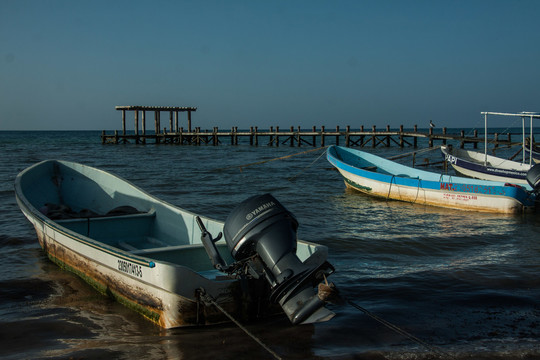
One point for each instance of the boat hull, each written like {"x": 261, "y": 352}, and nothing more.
{"x": 166, "y": 294}
{"x": 399, "y": 182}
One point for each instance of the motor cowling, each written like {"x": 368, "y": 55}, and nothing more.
{"x": 533, "y": 178}
{"x": 262, "y": 230}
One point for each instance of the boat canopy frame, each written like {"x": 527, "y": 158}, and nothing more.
{"x": 523, "y": 115}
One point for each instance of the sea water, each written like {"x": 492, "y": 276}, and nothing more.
{"x": 466, "y": 284}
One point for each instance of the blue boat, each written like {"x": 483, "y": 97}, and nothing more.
{"x": 383, "y": 178}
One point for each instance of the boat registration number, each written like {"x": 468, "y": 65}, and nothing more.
{"x": 130, "y": 268}
{"x": 459, "y": 197}
{"x": 478, "y": 189}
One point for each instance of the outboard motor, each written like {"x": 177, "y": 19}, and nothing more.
{"x": 262, "y": 233}
{"x": 533, "y": 178}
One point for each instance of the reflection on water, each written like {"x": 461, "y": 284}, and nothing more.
{"x": 466, "y": 282}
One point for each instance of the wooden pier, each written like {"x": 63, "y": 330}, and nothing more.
{"x": 275, "y": 136}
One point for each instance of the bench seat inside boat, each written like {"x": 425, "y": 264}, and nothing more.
{"x": 135, "y": 228}
{"x": 133, "y": 233}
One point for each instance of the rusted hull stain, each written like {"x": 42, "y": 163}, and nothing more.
{"x": 164, "y": 308}
{"x": 137, "y": 299}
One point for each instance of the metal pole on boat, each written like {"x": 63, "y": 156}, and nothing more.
{"x": 485, "y": 139}
{"x": 532, "y": 143}
{"x": 523, "y": 143}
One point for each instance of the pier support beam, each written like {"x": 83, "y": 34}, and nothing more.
{"x": 136, "y": 127}
{"x": 123, "y": 122}
{"x": 157, "y": 126}
{"x": 256, "y": 136}
{"x": 143, "y": 126}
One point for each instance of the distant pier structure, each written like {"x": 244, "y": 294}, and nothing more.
{"x": 141, "y": 137}
{"x": 176, "y": 134}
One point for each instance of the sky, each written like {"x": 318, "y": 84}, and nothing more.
{"x": 65, "y": 65}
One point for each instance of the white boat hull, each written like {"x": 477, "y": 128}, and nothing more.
{"x": 441, "y": 198}
{"x": 150, "y": 290}
{"x": 151, "y": 260}
{"x": 387, "y": 179}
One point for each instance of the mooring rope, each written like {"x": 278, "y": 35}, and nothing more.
{"x": 329, "y": 293}
{"x": 269, "y": 160}
{"x": 390, "y": 188}
{"x": 520, "y": 150}
{"x": 399, "y": 330}
{"x": 418, "y": 191}
{"x": 209, "y": 299}
{"x": 395, "y": 157}
{"x": 305, "y": 168}
{"x": 241, "y": 167}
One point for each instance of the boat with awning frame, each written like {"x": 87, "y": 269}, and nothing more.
{"x": 488, "y": 167}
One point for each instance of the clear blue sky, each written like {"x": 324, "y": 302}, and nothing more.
{"x": 65, "y": 65}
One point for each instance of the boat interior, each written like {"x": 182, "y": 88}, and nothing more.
{"x": 111, "y": 211}
{"x": 134, "y": 234}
